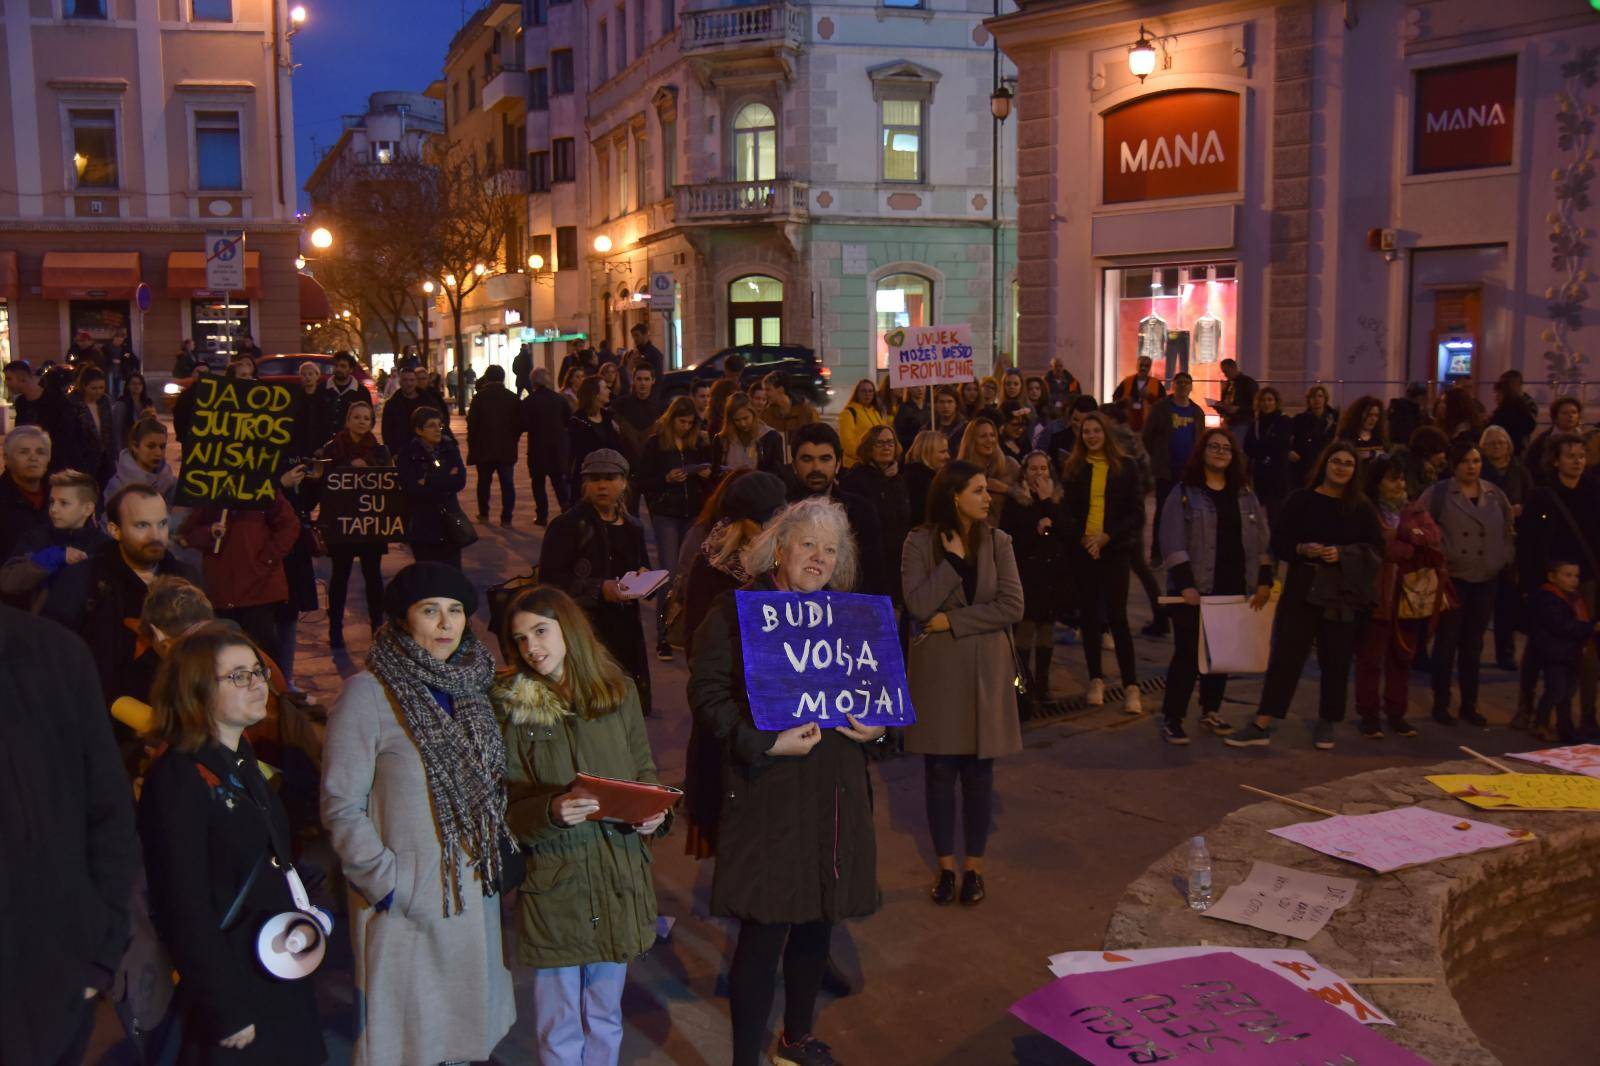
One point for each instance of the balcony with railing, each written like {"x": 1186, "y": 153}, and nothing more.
{"x": 507, "y": 90}
{"x": 734, "y": 27}
{"x": 740, "y": 201}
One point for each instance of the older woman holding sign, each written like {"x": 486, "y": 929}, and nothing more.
{"x": 960, "y": 580}
{"x": 795, "y": 846}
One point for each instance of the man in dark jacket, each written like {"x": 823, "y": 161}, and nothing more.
{"x": 588, "y": 548}
{"x": 339, "y": 392}
{"x": 69, "y": 845}
{"x": 100, "y": 596}
{"x": 814, "y": 471}
{"x": 544, "y": 419}
{"x": 493, "y": 430}
{"x": 398, "y": 409}
{"x": 43, "y": 404}
{"x": 1238, "y": 403}
{"x": 521, "y": 367}
{"x": 636, "y": 413}
{"x": 24, "y": 496}
{"x": 649, "y": 354}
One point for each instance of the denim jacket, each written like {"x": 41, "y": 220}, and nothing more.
{"x": 1188, "y": 534}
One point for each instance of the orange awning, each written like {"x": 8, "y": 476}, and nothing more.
{"x": 8, "y": 275}
{"x": 314, "y": 305}
{"x": 186, "y": 275}
{"x": 90, "y": 275}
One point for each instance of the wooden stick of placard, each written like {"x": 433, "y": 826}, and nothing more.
{"x": 1502, "y": 767}
{"x": 1392, "y": 980}
{"x": 1290, "y": 802}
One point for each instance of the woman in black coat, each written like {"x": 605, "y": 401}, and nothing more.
{"x": 796, "y": 851}
{"x": 432, "y": 476}
{"x": 1102, "y": 501}
{"x": 877, "y": 478}
{"x": 590, "y": 429}
{"x": 1034, "y": 519}
{"x": 95, "y": 447}
{"x": 674, "y": 477}
{"x": 1268, "y": 442}
{"x": 212, "y": 830}
{"x": 355, "y": 446}
{"x": 1310, "y": 431}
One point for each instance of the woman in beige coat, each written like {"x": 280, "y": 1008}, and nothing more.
{"x": 960, "y": 581}
{"x": 414, "y": 800}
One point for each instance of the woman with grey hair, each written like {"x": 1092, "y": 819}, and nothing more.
{"x": 1504, "y": 471}
{"x": 795, "y": 846}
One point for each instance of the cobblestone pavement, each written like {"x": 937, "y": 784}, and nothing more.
{"x": 1090, "y": 802}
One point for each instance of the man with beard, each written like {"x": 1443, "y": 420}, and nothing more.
{"x": 338, "y": 393}
{"x": 814, "y": 472}
{"x": 100, "y": 598}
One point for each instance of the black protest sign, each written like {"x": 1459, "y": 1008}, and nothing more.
{"x": 363, "y": 505}
{"x": 235, "y": 445}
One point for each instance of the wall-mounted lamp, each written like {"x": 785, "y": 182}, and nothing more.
{"x": 1000, "y": 102}
{"x": 602, "y": 244}
{"x": 1142, "y": 56}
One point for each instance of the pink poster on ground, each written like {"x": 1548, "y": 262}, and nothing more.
{"x": 1574, "y": 759}
{"x": 1404, "y": 836}
{"x": 1219, "y": 1006}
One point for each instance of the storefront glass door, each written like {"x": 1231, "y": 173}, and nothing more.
{"x": 755, "y": 311}
{"x": 1183, "y": 316}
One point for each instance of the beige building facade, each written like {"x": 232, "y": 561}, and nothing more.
{"x": 134, "y": 128}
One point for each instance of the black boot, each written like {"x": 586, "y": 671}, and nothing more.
{"x": 336, "y": 632}
{"x": 1041, "y": 675}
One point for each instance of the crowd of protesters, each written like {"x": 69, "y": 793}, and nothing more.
{"x": 1000, "y": 518}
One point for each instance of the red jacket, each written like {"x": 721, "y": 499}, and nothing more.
{"x": 249, "y": 569}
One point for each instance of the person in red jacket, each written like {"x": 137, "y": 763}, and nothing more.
{"x": 242, "y": 556}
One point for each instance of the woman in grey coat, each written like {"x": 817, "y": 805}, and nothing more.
{"x": 961, "y": 585}
{"x": 1476, "y": 519}
{"x": 414, "y": 800}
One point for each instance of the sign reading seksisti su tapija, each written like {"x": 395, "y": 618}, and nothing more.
{"x": 363, "y": 505}
{"x": 235, "y": 442}
{"x": 820, "y": 656}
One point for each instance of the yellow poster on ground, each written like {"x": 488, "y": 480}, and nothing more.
{"x": 1527, "y": 792}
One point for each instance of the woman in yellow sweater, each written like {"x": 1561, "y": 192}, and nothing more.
{"x": 859, "y": 416}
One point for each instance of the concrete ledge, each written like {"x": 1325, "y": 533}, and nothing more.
{"x": 1450, "y": 920}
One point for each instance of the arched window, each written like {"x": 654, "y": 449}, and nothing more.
{"x": 755, "y": 310}
{"x": 755, "y": 144}
{"x": 900, "y": 300}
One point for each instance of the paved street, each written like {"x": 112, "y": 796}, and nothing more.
{"x": 1091, "y": 801}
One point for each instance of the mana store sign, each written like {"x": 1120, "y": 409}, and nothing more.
{"x": 1465, "y": 116}
{"x": 1173, "y": 144}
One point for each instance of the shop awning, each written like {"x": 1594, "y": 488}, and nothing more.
{"x": 89, "y": 275}
{"x": 186, "y": 275}
{"x": 314, "y": 305}
{"x": 8, "y": 275}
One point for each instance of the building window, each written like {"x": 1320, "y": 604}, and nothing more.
{"x": 216, "y": 149}
{"x": 899, "y": 300}
{"x": 455, "y": 100}
{"x": 622, "y": 37}
{"x": 901, "y": 3}
{"x": 539, "y": 245}
{"x": 638, "y": 172}
{"x": 212, "y": 11}
{"x": 669, "y": 16}
{"x": 603, "y": 53}
{"x": 755, "y": 144}
{"x": 1183, "y": 316}
{"x": 669, "y": 156}
{"x": 472, "y": 89}
{"x": 83, "y": 9}
{"x": 638, "y": 28}
{"x": 539, "y": 171}
{"x": 94, "y": 149}
{"x": 384, "y": 152}
{"x": 534, "y": 12}
{"x": 624, "y": 192}
{"x": 755, "y": 310}
{"x": 539, "y": 90}
{"x": 560, "y": 71}
{"x": 566, "y": 247}
{"x": 902, "y": 140}
{"x": 561, "y": 160}
{"x": 603, "y": 198}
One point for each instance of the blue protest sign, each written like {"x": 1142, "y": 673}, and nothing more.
{"x": 818, "y": 656}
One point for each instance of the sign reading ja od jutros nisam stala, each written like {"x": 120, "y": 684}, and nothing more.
{"x": 237, "y": 435}
{"x": 819, "y": 656}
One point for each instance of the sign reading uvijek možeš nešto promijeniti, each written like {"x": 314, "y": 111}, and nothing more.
{"x": 929, "y": 355}
{"x": 235, "y": 442}
{"x": 822, "y": 656}
{"x": 363, "y": 505}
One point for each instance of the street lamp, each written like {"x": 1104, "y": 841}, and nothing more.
{"x": 427, "y": 287}
{"x": 427, "y": 315}
{"x": 1000, "y": 102}
{"x": 1142, "y": 56}
{"x": 297, "y": 16}
{"x": 480, "y": 270}
{"x": 299, "y": 262}
{"x": 535, "y": 262}
{"x": 602, "y": 244}
{"x": 321, "y": 238}
{"x": 450, "y": 280}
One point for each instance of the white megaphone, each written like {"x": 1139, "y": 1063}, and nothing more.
{"x": 291, "y": 945}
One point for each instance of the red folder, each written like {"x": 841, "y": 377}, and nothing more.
{"x": 632, "y": 802}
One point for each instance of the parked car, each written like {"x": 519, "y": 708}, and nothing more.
{"x": 280, "y": 370}
{"x": 803, "y": 372}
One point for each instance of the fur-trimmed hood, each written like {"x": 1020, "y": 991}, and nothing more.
{"x": 525, "y": 701}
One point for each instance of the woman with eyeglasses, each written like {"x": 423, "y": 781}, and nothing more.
{"x": 213, "y": 834}
{"x": 1332, "y": 540}
{"x": 1215, "y": 541}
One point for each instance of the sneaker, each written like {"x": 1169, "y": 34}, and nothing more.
{"x": 806, "y": 1051}
{"x": 1213, "y": 721}
{"x": 1473, "y": 718}
{"x": 1132, "y": 700}
{"x": 664, "y": 651}
{"x": 1322, "y": 737}
{"x": 1251, "y": 736}
{"x": 1096, "y": 694}
{"x": 1443, "y": 717}
{"x": 1402, "y": 728}
{"x": 1372, "y": 730}
{"x": 1172, "y": 733}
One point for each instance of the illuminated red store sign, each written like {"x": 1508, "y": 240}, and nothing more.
{"x": 1465, "y": 116}
{"x": 1172, "y": 144}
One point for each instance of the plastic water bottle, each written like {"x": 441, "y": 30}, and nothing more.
{"x": 1199, "y": 874}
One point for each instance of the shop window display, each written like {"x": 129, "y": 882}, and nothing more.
{"x": 1182, "y": 316}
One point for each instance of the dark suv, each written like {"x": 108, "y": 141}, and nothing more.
{"x": 802, "y": 371}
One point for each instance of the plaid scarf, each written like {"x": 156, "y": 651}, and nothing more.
{"x": 464, "y": 755}
{"x": 712, "y": 549}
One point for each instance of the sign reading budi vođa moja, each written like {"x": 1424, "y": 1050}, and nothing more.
{"x": 819, "y": 656}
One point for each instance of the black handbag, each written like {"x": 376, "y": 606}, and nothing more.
{"x": 459, "y": 531}
{"x": 496, "y": 598}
